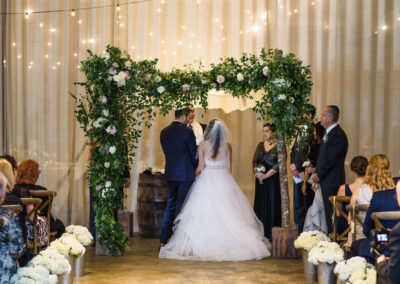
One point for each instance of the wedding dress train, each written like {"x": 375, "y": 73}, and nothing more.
{"x": 217, "y": 222}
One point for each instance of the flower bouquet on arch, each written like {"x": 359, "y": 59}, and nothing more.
{"x": 259, "y": 169}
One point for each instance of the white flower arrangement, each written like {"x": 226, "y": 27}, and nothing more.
{"x": 81, "y": 233}
{"x": 105, "y": 112}
{"x": 310, "y": 239}
{"x": 99, "y": 122}
{"x": 282, "y": 97}
{"x": 355, "y": 268}
{"x": 279, "y": 82}
{"x": 55, "y": 262}
{"x": 36, "y": 274}
{"x": 326, "y": 252}
{"x": 68, "y": 245}
{"x": 363, "y": 276}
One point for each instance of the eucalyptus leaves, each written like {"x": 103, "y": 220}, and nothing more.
{"x": 121, "y": 94}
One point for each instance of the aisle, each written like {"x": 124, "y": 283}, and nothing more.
{"x": 140, "y": 264}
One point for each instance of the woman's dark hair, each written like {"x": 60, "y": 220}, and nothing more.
{"x": 359, "y": 165}
{"x": 320, "y": 130}
{"x": 207, "y": 136}
{"x": 11, "y": 160}
{"x": 271, "y": 126}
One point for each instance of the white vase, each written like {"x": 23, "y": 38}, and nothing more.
{"x": 80, "y": 266}
{"x": 310, "y": 270}
{"x": 325, "y": 273}
{"x": 68, "y": 278}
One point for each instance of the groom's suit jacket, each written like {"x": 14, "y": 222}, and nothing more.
{"x": 332, "y": 153}
{"x": 179, "y": 145}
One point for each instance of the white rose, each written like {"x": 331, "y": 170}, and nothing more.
{"x": 112, "y": 149}
{"x": 157, "y": 79}
{"x": 240, "y": 77}
{"x": 185, "y": 87}
{"x": 203, "y": 82}
{"x": 103, "y": 99}
{"x": 282, "y": 97}
{"x": 111, "y": 130}
{"x": 291, "y": 99}
{"x": 115, "y": 65}
{"x": 128, "y": 64}
{"x": 105, "y": 112}
{"x": 120, "y": 78}
{"x": 220, "y": 79}
{"x": 279, "y": 82}
{"x": 147, "y": 77}
{"x": 107, "y": 165}
{"x": 109, "y": 78}
{"x": 265, "y": 70}
{"x": 108, "y": 183}
{"x": 161, "y": 89}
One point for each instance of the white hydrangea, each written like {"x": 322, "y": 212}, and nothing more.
{"x": 308, "y": 240}
{"x": 55, "y": 262}
{"x": 99, "y": 122}
{"x": 279, "y": 82}
{"x": 68, "y": 245}
{"x": 363, "y": 276}
{"x": 325, "y": 252}
{"x": 161, "y": 89}
{"x": 81, "y": 233}
{"x": 36, "y": 274}
{"x": 345, "y": 268}
{"x": 282, "y": 97}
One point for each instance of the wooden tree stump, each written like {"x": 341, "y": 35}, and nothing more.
{"x": 283, "y": 242}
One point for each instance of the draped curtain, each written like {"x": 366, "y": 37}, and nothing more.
{"x": 352, "y": 46}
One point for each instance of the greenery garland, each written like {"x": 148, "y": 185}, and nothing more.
{"x": 121, "y": 94}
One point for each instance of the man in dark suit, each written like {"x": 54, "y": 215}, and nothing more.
{"x": 179, "y": 145}
{"x": 298, "y": 156}
{"x": 330, "y": 163}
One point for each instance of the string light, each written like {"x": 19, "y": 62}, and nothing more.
{"x": 14, "y": 44}
{"x": 46, "y": 56}
{"x": 80, "y": 21}
{"x": 256, "y": 28}
{"x": 41, "y": 25}
{"x": 52, "y": 30}
{"x": 384, "y": 27}
{"x": 263, "y": 16}
{"x": 19, "y": 56}
{"x": 118, "y": 8}
{"x": 121, "y": 25}
{"x": 75, "y": 54}
{"x": 73, "y": 13}
{"x": 295, "y": 10}
{"x": 49, "y": 43}
{"x": 27, "y": 13}
{"x": 162, "y": 1}
{"x": 58, "y": 63}
{"x": 180, "y": 42}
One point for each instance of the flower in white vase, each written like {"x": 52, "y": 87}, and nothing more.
{"x": 55, "y": 262}
{"x": 33, "y": 274}
{"x": 326, "y": 252}
{"x": 75, "y": 247}
{"x": 81, "y": 233}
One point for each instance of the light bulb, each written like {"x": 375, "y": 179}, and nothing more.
{"x": 118, "y": 7}
{"x": 73, "y": 13}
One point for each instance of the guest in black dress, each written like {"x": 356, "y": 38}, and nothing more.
{"x": 267, "y": 200}
{"x": 358, "y": 168}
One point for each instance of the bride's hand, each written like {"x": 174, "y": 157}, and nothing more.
{"x": 197, "y": 172}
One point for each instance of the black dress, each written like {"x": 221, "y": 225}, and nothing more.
{"x": 267, "y": 200}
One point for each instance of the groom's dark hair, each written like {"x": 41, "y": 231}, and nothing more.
{"x": 179, "y": 113}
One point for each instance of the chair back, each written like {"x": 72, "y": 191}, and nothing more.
{"x": 48, "y": 196}
{"x": 388, "y": 215}
{"x": 337, "y": 202}
{"x": 15, "y": 208}
{"x": 34, "y": 212}
{"x": 354, "y": 209}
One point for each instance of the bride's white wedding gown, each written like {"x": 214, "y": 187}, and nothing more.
{"x": 217, "y": 222}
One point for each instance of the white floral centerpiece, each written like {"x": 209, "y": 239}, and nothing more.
{"x": 33, "y": 274}
{"x": 68, "y": 245}
{"x": 310, "y": 239}
{"x": 357, "y": 269}
{"x": 54, "y": 261}
{"x": 363, "y": 276}
{"x": 81, "y": 233}
{"x": 326, "y": 252}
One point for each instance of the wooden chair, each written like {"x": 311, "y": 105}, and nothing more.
{"x": 15, "y": 208}
{"x": 337, "y": 207}
{"x": 388, "y": 215}
{"x": 34, "y": 212}
{"x": 354, "y": 209}
{"x": 49, "y": 196}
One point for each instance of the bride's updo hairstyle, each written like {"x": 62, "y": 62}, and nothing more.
{"x": 216, "y": 135}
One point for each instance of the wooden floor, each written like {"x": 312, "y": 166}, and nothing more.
{"x": 140, "y": 264}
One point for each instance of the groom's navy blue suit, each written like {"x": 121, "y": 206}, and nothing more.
{"x": 179, "y": 145}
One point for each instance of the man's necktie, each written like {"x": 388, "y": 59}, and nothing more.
{"x": 190, "y": 126}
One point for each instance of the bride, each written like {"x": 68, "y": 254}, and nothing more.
{"x": 217, "y": 222}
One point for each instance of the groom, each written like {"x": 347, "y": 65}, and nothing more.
{"x": 179, "y": 146}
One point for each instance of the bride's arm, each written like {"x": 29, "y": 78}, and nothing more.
{"x": 230, "y": 157}
{"x": 201, "y": 159}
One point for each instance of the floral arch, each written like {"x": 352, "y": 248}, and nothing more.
{"x": 121, "y": 94}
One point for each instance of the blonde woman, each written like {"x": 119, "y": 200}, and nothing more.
{"x": 7, "y": 170}
{"x": 377, "y": 178}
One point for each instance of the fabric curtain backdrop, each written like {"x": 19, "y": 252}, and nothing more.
{"x": 352, "y": 47}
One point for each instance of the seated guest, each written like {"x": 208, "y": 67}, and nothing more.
{"x": 383, "y": 199}
{"x": 388, "y": 268}
{"x": 27, "y": 175}
{"x": 12, "y": 243}
{"x": 377, "y": 178}
{"x": 358, "y": 167}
